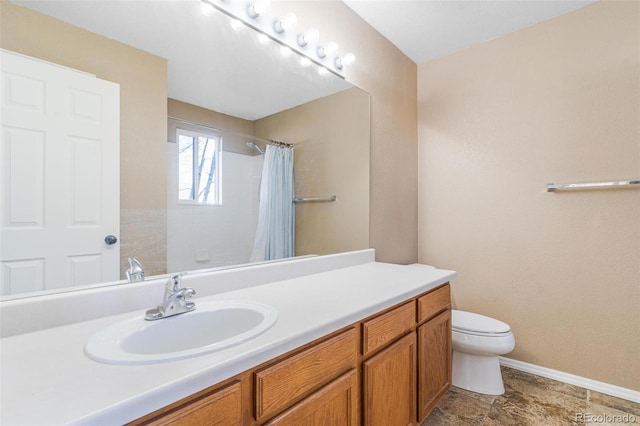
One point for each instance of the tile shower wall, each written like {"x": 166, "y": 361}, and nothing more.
{"x": 144, "y": 237}
{"x": 201, "y": 236}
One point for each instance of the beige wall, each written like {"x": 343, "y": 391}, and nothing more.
{"x": 390, "y": 77}
{"x": 555, "y": 102}
{"x": 143, "y": 109}
{"x": 331, "y": 145}
{"x": 185, "y": 111}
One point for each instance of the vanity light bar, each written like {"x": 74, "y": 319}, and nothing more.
{"x": 256, "y": 14}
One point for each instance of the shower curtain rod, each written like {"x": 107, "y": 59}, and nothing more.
{"x": 217, "y": 129}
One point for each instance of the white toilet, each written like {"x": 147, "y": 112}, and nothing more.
{"x": 477, "y": 342}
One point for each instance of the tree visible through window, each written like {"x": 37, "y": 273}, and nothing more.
{"x": 199, "y": 167}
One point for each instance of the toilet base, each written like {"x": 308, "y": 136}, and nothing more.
{"x": 477, "y": 373}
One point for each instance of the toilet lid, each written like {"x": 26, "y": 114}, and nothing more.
{"x": 476, "y": 323}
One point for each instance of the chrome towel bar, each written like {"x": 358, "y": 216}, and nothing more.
{"x": 314, "y": 199}
{"x": 552, "y": 187}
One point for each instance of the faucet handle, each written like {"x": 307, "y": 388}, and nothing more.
{"x": 174, "y": 282}
{"x": 187, "y": 292}
{"x": 174, "y": 301}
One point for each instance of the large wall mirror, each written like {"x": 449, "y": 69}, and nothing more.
{"x": 183, "y": 74}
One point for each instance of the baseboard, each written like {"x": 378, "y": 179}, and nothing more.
{"x": 572, "y": 379}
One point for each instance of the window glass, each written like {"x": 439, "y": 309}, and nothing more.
{"x": 198, "y": 168}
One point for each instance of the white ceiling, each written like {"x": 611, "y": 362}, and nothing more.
{"x": 208, "y": 63}
{"x": 428, "y": 29}
{"x": 215, "y": 67}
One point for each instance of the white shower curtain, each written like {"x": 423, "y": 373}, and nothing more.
{"x": 276, "y": 215}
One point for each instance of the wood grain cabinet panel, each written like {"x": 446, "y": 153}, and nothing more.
{"x": 433, "y": 302}
{"x": 221, "y": 407}
{"x": 434, "y": 362}
{"x": 386, "y": 327}
{"x": 282, "y": 384}
{"x": 389, "y": 385}
{"x": 336, "y": 404}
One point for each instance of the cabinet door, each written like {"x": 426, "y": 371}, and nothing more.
{"x": 334, "y": 404}
{"x": 222, "y": 407}
{"x": 389, "y": 384}
{"x": 282, "y": 384}
{"x": 434, "y": 362}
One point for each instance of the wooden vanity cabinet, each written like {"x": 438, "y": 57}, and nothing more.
{"x": 286, "y": 381}
{"x": 434, "y": 365}
{"x": 334, "y": 404}
{"x": 224, "y": 404}
{"x": 389, "y": 369}
{"x": 434, "y": 349}
{"x": 404, "y": 381}
{"x": 389, "y": 385}
{"x": 384, "y": 328}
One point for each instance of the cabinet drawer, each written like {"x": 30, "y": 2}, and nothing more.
{"x": 384, "y": 328}
{"x": 280, "y": 385}
{"x": 220, "y": 407}
{"x": 433, "y": 302}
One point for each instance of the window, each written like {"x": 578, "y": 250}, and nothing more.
{"x": 199, "y": 168}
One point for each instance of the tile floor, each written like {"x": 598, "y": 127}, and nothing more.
{"x": 533, "y": 400}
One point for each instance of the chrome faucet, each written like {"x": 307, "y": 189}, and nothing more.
{"x": 175, "y": 301}
{"x": 135, "y": 272}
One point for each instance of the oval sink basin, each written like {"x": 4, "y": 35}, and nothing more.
{"x": 211, "y": 327}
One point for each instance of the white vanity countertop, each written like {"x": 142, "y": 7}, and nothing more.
{"x": 47, "y": 379}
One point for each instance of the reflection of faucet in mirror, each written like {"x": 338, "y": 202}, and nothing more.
{"x": 175, "y": 300}
{"x": 135, "y": 272}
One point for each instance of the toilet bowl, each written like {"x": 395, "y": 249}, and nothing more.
{"x": 477, "y": 342}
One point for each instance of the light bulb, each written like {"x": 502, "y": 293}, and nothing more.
{"x": 257, "y": 8}
{"x": 309, "y": 37}
{"x": 285, "y": 24}
{"x": 345, "y": 61}
{"x": 207, "y": 8}
{"x": 348, "y": 59}
{"x": 324, "y": 51}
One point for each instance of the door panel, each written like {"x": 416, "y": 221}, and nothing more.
{"x": 29, "y": 273}
{"x": 59, "y": 183}
{"x": 23, "y": 172}
{"x": 85, "y": 182}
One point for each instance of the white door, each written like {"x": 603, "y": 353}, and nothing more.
{"x": 59, "y": 176}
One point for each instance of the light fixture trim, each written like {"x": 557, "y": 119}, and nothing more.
{"x": 256, "y": 14}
